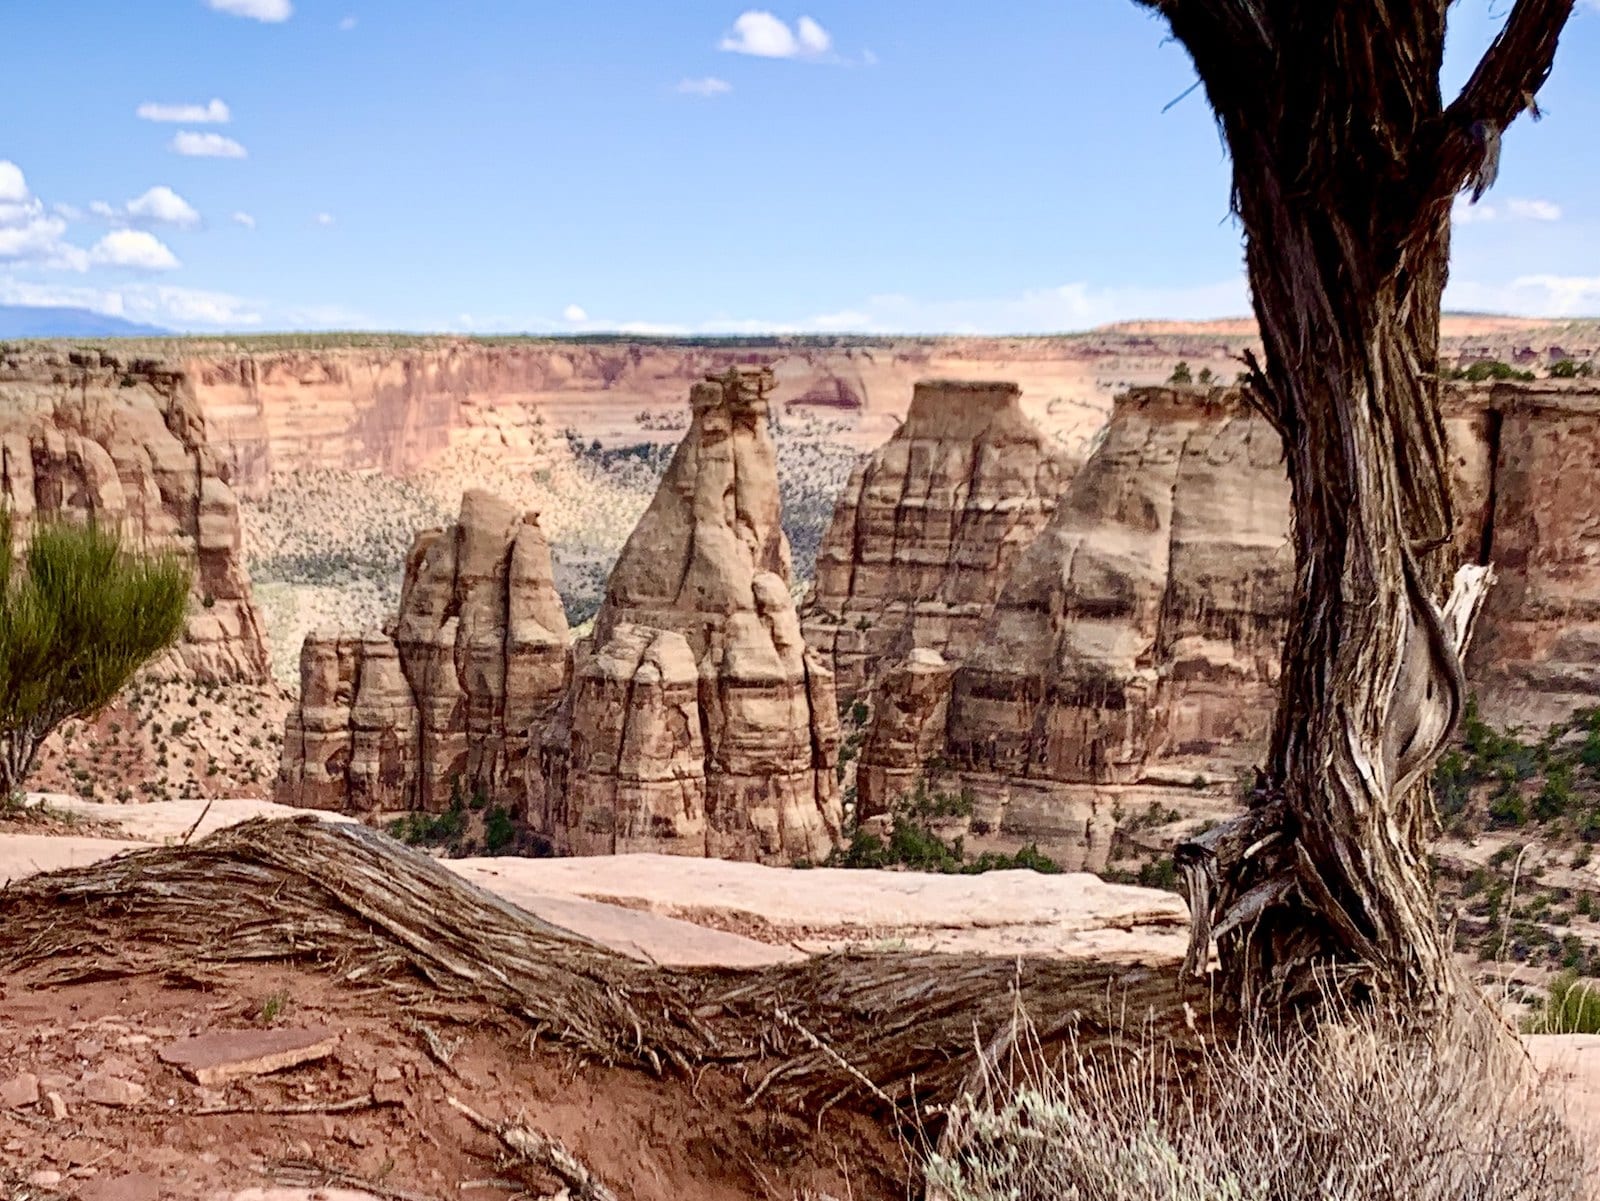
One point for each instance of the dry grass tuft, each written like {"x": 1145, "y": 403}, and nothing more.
{"x": 1358, "y": 1111}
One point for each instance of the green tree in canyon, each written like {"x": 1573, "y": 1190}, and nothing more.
{"x": 79, "y": 615}
{"x": 1346, "y": 162}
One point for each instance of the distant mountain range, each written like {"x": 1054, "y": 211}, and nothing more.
{"x": 26, "y": 321}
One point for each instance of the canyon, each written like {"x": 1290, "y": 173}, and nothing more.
{"x": 1060, "y": 608}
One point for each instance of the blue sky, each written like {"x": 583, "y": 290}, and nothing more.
{"x": 683, "y": 166}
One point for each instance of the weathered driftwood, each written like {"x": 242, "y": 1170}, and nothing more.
{"x": 354, "y": 902}
{"x": 1346, "y": 161}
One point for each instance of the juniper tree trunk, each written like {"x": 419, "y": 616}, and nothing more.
{"x": 1345, "y": 165}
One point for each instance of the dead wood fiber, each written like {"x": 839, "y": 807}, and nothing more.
{"x": 858, "y": 1027}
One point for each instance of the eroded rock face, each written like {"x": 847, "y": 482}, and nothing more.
{"x": 88, "y": 435}
{"x": 1536, "y": 654}
{"x": 698, "y": 722}
{"x": 442, "y": 704}
{"x": 1142, "y": 627}
{"x": 927, "y": 531}
{"x": 1136, "y": 645}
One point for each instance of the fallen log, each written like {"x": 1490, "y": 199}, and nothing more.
{"x": 353, "y": 902}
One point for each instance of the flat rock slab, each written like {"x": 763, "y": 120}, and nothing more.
{"x": 223, "y": 1055}
{"x": 1067, "y": 916}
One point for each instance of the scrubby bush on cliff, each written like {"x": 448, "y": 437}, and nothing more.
{"x": 79, "y": 615}
{"x": 1362, "y": 1109}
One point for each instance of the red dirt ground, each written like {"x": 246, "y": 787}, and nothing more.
{"x": 648, "y": 1139}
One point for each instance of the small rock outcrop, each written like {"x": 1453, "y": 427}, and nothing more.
{"x": 928, "y": 529}
{"x": 441, "y": 704}
{"x": 88, "y": 435}
{"x": 698, "y": 722}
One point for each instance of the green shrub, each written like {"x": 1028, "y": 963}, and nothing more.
{"x": 79, "y": 615}
{"x": 499, "y": 831}
{"x": 1573, "y": 1007}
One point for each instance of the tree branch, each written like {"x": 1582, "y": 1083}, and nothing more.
{"x": 1503, "y": 86}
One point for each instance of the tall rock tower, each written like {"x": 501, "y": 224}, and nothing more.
{"x": 698, "y": 723}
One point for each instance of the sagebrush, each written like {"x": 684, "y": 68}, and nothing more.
{"x": 1363, "y": 1110}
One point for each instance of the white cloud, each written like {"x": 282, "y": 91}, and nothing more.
{"x": 214, "y": 113}
{"x": 137, "y": 249}
{"x": 1464, "y": 212}
{"x": 324, "y": 219}
{"x": 207, "y": 145}
{"x": 13, "y": 184}
{"x": 154, "y": 304}
{"x": 162, "y": 206}
{"x": 1534, "y": 210}
{"x": 1545, "y": 295}
{"x": 158, "y": 206}
{"x": 1066, "y": 308}
{"x": 708, "y": 87}
{"x": 347, "y": 24}
{"x": 270, "y": 11}
{"x": 29, "y": 236}
{"x": 244, "y": 219}
{"x": 574, "y": 313}
{"x": 764, "y": 35}
{"x": 814, "y": 39}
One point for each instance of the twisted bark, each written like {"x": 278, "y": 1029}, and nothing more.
{"x": 1346, "y": 163}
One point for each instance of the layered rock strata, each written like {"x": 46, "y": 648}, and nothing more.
{"x": 928, "y": 529}
{"x": 1143, "y": 625}
{"x": 698, "y": 722}
{"x": 87, "y": 435}
{"x": 1136, "y": 643}
{"x": 1536, "y": 653}
{"x": 441, "y": 705}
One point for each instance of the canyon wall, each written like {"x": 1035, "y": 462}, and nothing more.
{"x": 87, "y": 434}
{"x": 439, "y": 706}
{"x": 394, "y": 407}
{"x": 928, "y": 528}
{"x": 699, "y": 722}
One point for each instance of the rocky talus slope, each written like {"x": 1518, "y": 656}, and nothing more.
{"x": 90, "y": 435}
{"x": 439, "y": 705}
{"x": 926, "y": 532}
{"x": 1133, "y": 654}
{"x": 698, "y": 721}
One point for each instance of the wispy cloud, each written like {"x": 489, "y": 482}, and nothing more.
{"x": 708, "y": 87}
{"x": 270, "y": 11}
{"x": 244, "y": 219}
{"x": 347, "y": 24}
{"x": 1513, "y": 209}
{"x": 1066, "y": 308}
{"x": 325, "y": 220}
{"x": 136, "y": 249}
{"x": 207, "y": 145}
{"x": 760, "y": 33}
{"x": 1540, "y": 295}
{"x": 214, "y": 113}
{"x": 157, "y": 304}
{"x": 575, "y": 314}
